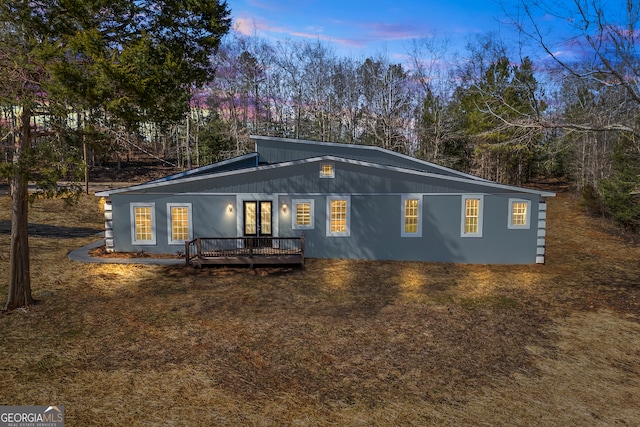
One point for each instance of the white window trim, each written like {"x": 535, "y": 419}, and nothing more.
{"x": 170, "y": 224}
{"x": 465, "y": 197}
{"x": 333, "y": 170}
{"x": 404, "y": 197}
{"x": 294, "y": 217}
{"x": 346, "y": 233}
{"x": 527, "y": 224}
{"x": 151, "y": 205}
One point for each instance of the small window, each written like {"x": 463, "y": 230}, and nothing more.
{"x": 327, "y": 170}
{"x": 179, "y": 222}
{"x": 519, "y": 214}
{"x": 338, "y": 216}
{"x": 143, "y": 224}
{"x": 472, "y": 216}
{"x": 303, "y": 214}
{"x": 411, "y": 215}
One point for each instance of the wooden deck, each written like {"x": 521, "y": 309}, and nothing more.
{"x": 245, "y": 251}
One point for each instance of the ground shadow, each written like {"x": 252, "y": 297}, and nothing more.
{"x": 52, "y": 231}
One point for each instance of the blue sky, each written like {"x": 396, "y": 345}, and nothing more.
{"x": 362, "y": 28}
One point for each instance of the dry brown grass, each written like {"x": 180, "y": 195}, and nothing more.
{"x": 339, "y": 343}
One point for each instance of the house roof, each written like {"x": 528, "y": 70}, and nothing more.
{"x": 165, "y": 186}
{"x": 362, "y": 152}
{"x": 224, "y": 165}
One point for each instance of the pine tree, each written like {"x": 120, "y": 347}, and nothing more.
{"x": 129, "y": 60}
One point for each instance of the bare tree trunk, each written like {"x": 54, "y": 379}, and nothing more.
{"x": 84, "y": 155}
{"x": 19, "y": 272}
{"x": 187, "y": 141}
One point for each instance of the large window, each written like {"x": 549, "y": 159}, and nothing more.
{"x": 143, "y": 224}
{"x": 411, "y": 215}
{"x": 338, "y": 216}
{"x": 472, "y": 216}
{"x": 303, "y": 214}
{"x": 519, "y": 214}
{"x": 179, "y": 222}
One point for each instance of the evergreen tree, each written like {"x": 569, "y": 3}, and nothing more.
{"x": 129, "y": 60}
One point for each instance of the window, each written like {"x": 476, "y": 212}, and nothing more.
{"x": 179, "y": 222}
{"x": 411, "y": 215}
{"x": 143, "y": 224}
{"x": 250, "y": 218}
{"x": 303, "y": 214}
{"x": 519, "y": 214}
{"x": 472, "y": 216}
{"x": 338, "y": 221}
{"x": 265, "y": 218}
{"x": 327, "y": 170}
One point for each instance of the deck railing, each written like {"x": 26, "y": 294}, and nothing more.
{"x": 245, "y": 250}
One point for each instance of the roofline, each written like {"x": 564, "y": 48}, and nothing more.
{"x": 490, "y": 184}
{"x": 367, "y": 147}
{"x": 204, "y": 168}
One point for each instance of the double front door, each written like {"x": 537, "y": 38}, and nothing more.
{"x": 258, "y": 221}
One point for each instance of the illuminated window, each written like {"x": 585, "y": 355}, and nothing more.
{"x": 519, "y": 214}
{"x": 338, "y": 222}
{"x": 143, "y": 224}
{"x": 327, "y": 170}
{"x": 179, "y": 222}
{"x": 250, "y": 218}
{"x": 265, "y": 218}
{"x": 411, "y": 214}
{"x": 472, "y": 216}
{"x": 303, "y": 214}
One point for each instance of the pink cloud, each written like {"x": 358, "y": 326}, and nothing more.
{"x": 249, "y": 26}
{"x": 369, "y": 32}
{"x": 396, "y": 31}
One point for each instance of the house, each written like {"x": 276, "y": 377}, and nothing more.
{"x": 350, "y": 201}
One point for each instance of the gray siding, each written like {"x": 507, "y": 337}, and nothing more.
{"x": 209, "y": 213}
{"x": 376, "y": 232}
{"x": 375, "y": 193}
{"x": 277, "y": 150}
{"x": 304, "y": 177}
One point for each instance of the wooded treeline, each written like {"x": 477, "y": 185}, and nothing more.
{"x": 489, "y": 111}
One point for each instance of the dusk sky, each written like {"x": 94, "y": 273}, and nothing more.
{"x": 361, "y": 28}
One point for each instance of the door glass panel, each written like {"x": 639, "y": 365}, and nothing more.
{"x": 250, "y": 218}
{"x": 265, "y": 218}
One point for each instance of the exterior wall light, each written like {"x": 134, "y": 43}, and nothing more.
{"x": 230, "y": 208}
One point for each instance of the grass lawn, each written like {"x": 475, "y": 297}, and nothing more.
{"x": 345, "y": 343}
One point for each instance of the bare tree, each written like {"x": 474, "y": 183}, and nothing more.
{"x": 431, "y": 62}
{"x": 602, "y": 49}
{"x": 389, "y": 104}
